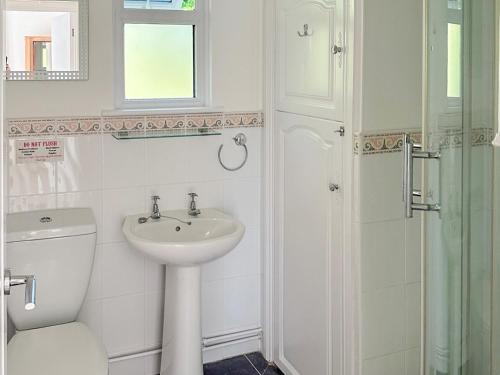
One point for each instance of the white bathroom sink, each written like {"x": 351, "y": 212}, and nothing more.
{"x": 211, "y": 235}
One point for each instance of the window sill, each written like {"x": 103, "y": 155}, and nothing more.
{"x": 159, "y": 111}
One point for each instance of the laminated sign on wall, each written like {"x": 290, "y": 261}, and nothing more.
{"x": 39, "y": 150}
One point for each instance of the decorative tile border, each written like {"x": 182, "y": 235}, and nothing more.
{"x": 370, "y": 144}
{"x": 483, "y": 136}
{"x": 33, "y": 127}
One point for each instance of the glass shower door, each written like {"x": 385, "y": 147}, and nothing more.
{"x": 459, "y": 109}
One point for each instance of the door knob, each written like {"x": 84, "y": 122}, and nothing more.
{"x": 30, "y": 288}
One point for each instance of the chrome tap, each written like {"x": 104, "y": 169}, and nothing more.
{"x": 193, "y": 210}
{"x": 155, "y": 213}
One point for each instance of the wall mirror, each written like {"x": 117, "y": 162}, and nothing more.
{"x": 46, "y": 40}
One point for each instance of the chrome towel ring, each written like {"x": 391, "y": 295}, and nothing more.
{"x": 240, "y": 140}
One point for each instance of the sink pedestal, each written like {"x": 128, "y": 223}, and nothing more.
{"x": 182, "y": 322}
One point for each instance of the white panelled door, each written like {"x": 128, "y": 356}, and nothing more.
{"x": 310, "y": 57}
{"x": 308, "y": 274}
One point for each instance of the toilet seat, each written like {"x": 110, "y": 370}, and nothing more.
{"x": 58, "y": 350}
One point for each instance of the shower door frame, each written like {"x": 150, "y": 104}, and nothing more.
{"x": 465, "y": 164}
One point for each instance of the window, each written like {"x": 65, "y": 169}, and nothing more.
{"x": 454, "y": 60}
{"x": 454, "y": 57}
{"x": 160, "y": 57}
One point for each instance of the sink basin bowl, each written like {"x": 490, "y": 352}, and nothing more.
{"x": 211, "y": 235}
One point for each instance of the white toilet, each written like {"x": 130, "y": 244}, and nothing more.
{"x": 57, "y": 247}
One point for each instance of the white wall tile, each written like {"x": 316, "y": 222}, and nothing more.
{"x": 382, "y": 254}
{"x": 183, "y": 160}
{"x": 481, "y": 178}
{"x": 95, "y": 286}
{"x": 117, "y": 204}
{"x": 202, "y": 161}
{"x": 91, "y": 315}
{"x": 242, "y": 302}
{"x": 123, "y": 324}
{"x": 412, "y": 295}
{"x": 32, "y": 203}
{"x": 213, "y": 270}
{"x": 154, "y": 319}
{"x": 122, "y": 270}
{"x": 389, "y": 365}
{"x": 123, "y": 163}
{"x": 412, "y": 362}
{"x": 381, "y": 191}
{"x": 90, "y": 199}
{"x": 383, "y": 322}
{"x": 212, "y": 307}
{"x": 245, "y": 259}
{"x": 413, "y": 248}
{"x": 175, "y": 197}
{"x": 239, "y": 200}
{"x": 82, "y": 165}
{"x": 166, "y": 161}
{"x": 155, "y": 276}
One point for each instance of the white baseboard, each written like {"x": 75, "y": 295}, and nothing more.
{"x": 148, "y": 362}
{"x": 232, "y": 349}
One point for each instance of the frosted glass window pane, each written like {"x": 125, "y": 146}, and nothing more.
{"x": 160, "y": 4}
{"x": 159, "y": 61}
{"x": 454, "y": 60}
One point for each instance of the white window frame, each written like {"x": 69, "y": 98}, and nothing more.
{"x": 198, "y": 18}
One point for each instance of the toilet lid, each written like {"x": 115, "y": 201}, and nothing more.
{"x": 58, "y": 350}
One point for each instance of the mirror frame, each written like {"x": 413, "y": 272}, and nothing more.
{"x": 83, "y": 44}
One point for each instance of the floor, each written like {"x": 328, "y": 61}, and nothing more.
{"x": 249, "y": 364}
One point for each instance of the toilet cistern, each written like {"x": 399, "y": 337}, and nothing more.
{"x": 52, "y": 246}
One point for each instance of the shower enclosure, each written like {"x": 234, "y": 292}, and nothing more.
{"x": 457, "y": 186}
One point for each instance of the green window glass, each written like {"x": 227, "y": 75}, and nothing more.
{"x": 454, "y": 60}
{"x": 159, "y": 61}
{"x": 160, "y": 4}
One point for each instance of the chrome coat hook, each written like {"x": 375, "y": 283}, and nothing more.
{"x": 240, "y": 140}
{"x": 306, "y": 32}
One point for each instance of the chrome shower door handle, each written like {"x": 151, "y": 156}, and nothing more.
{"x": 408, "y": 147}
{"x": 412, "y": 151}
{"x": 30, "y": 288}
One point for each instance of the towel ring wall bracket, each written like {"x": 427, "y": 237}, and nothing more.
{"x": 239, "y": 140}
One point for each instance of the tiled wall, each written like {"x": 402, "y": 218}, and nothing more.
{"x": 391, "y": 245}
{"x": 117, "y": 177}
{"x": 390, "y": 270}
{"x": 125, "y": 299}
